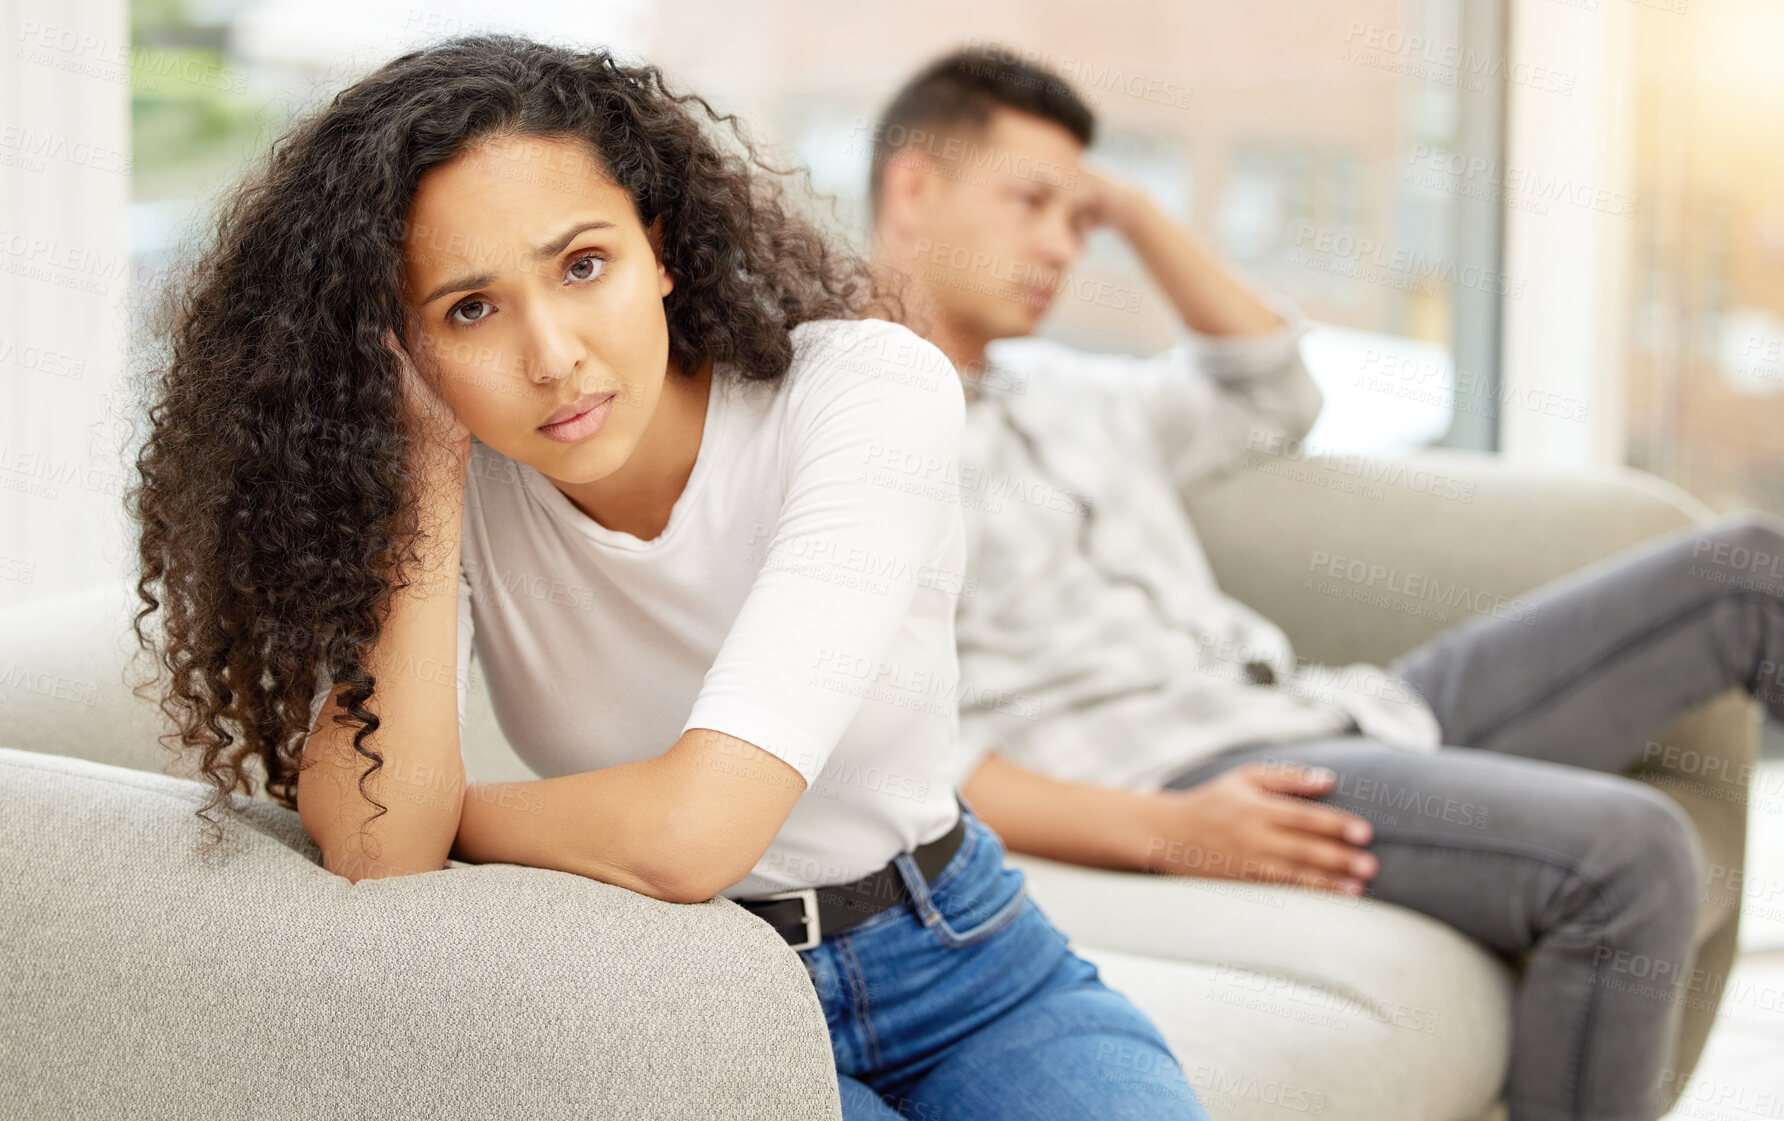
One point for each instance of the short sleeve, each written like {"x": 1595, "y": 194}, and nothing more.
{"x": 872, "y": 435}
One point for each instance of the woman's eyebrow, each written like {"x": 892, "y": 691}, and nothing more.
{"x": 541, "y": 253}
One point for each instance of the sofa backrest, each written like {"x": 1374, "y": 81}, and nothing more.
{"x": 67, "y": 663}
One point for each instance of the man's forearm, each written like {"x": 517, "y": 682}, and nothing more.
{"x": 610, "y": 824}
{"x": 1211, "y": 300}
{"x": 1067, "y": 821}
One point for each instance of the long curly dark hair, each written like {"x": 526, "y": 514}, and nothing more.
{"x": 277, "y": 499}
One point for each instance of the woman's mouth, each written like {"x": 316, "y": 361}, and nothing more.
{"x": 581, "y": 426}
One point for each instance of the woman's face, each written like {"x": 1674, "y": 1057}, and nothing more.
{"x": 538, "y": 292}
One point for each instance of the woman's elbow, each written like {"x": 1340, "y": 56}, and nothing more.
{"x": 414, "y": 832}
{"x": 380, "y": 848}
{"x": 357, "y": 866}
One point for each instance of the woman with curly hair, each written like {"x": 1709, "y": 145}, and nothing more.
{"x": 502, "y": 344}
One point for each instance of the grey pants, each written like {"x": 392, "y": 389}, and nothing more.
{"x": 1524, "y": 837}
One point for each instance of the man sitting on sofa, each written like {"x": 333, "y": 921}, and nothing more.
{"x": 1119, "y": 711}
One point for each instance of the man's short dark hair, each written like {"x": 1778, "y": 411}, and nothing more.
{"x": 955, "y": 94}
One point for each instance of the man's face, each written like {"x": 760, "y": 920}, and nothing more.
{"x": 997, "y": 227}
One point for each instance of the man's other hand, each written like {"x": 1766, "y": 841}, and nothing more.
{"x": 1256, "y": 822}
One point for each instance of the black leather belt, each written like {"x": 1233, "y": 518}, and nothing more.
{"x": 807, "y": 915}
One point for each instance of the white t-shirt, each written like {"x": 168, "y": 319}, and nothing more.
{"x": 801, "y": 599}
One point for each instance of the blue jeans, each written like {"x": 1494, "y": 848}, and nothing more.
{"x": 964, "y": 1002}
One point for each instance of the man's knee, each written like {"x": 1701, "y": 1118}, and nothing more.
{"x": 1750, "y": 543}
{"x": 1755, "y": 528}
{"x": 1654, "y": 851}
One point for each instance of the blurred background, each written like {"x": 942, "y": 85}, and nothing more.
{"x": 1551, "y": 230}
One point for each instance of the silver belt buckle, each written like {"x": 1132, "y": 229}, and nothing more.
{"x": 810, "y": 895}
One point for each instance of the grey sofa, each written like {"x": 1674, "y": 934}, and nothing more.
{"x": 144, "y": 981}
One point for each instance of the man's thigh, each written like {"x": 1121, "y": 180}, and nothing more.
{"x": 1487, "y": 842}
{"x": 1582, "y": 669}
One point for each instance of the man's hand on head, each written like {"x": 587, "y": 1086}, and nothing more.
{"x": 1107, "y": 199}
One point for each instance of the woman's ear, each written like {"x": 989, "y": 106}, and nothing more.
{"x": 665, "y": 282}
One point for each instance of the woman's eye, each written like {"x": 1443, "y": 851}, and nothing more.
{"x": 590, "y": 258}
{"x": 586, "y": 275}
{"x": 463, "y": 306}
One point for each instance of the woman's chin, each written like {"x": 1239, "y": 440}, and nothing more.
{"x": 587, "y": 461}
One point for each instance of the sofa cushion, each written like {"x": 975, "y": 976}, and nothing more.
{"x": 1282, "y": 999}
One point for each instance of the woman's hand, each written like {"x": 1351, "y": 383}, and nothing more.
{"x": 429, "y": 408}
{"x": 1254, "y": 822}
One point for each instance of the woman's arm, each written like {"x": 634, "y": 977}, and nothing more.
{"x": 681, "y": 827}
{"x": 416, "y": 699}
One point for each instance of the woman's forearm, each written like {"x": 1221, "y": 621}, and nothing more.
{"x": 611, "y": 824}
{"x": 421, "y": 782}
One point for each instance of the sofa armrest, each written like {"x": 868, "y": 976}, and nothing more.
{"x": 1466, "y": 529}
{"x": 145, "y": 979}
